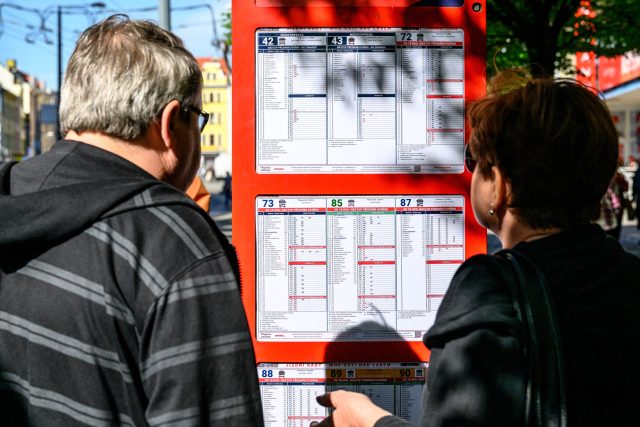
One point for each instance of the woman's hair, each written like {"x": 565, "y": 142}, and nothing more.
{"x": 120, "y": 76}
{"x": 555, "y": 142}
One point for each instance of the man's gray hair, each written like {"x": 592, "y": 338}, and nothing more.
{"x": 121, "y": 75}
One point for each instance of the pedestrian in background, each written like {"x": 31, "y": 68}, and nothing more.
{"x": 612, "y": 206}
{"x": 199, "y": 193}
{"x": 539, "y": 198}
{"x": 635, "y": 187}
{"x": 119, "y": 299}
{"x": 226, "y": 189}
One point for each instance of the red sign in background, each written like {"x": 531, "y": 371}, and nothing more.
{"x": 605, "y": 73}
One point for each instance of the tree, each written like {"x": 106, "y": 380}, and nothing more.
{"x": 226, "y": 42}
{"x": 543, "y": 33}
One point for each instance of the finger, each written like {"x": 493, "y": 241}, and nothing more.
{"x": 324, "y": 400}
{"x": 327, "y": 422}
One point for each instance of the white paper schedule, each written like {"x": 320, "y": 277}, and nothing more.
{"x": 289, "y": 391}
{"x": 354, "y": 268}
{"x": 359, "y": 100}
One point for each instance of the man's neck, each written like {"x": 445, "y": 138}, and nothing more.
{"x": 139, "y": 152}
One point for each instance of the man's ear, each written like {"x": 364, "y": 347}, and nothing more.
{"x": 170, "y": 114}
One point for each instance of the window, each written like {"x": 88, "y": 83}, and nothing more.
{"x": 212, "y": 141}
{"x": 219, "y": 140}
{"x": 218, "y": 97}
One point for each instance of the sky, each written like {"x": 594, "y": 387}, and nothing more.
{"x": 39, "y": 58}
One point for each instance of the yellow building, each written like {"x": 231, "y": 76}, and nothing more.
{"x": 216, "y": 100}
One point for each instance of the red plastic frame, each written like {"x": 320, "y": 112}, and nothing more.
{"x": 250, "y": 15}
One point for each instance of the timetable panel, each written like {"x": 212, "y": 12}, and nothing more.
{"x": 359, "y": 100}
{"x": 289, "y": 391}
{"x": 354, "y": 268}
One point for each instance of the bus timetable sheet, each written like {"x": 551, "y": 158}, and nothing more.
{"x": 289, "y": 391}
{"x": 359, "y": 100}
{"x": 350, "y": 268}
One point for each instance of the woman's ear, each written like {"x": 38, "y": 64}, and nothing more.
{"x": 501, "y": 196}
{"x": 170, "y": 113}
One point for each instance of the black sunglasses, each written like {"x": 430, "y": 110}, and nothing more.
{"x": 203, "y": 118}
{"x": 469, "y": 160}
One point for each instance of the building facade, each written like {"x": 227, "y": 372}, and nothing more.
{"x": 11, "y": 126}
{"x": 24, "y": 129}
{"x": 216, "y": 100}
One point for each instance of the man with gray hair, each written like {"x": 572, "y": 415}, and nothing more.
{"x": 119, "y": 299}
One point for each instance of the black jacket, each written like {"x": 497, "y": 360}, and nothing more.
{"x": 476, "y": 371}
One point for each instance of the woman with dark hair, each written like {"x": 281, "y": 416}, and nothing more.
{"x": 542, "y": 153}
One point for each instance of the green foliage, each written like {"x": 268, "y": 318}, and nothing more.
{"x": 547, "y": 33}
{"x": 226, "y": 25}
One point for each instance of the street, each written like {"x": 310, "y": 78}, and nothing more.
{"x": 220, "y": 213}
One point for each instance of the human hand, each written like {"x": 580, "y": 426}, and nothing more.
{"x": 350, "y": 410}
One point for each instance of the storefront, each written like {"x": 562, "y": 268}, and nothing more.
{"x": 618, "y": 79}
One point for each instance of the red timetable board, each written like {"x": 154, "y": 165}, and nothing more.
{"x": 362, "y": 102}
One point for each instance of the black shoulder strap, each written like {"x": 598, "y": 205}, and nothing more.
{"x": 545, "y": 393}
{"x": 5, "y": 181}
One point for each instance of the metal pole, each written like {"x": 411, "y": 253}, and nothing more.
{"x": 164, "y": 10}
{"x": 58, "y": 132}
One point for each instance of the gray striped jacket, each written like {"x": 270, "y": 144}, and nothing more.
{"x": 134, "y": 319}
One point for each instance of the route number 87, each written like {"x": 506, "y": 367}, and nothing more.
{"x": 405, "y": 202}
